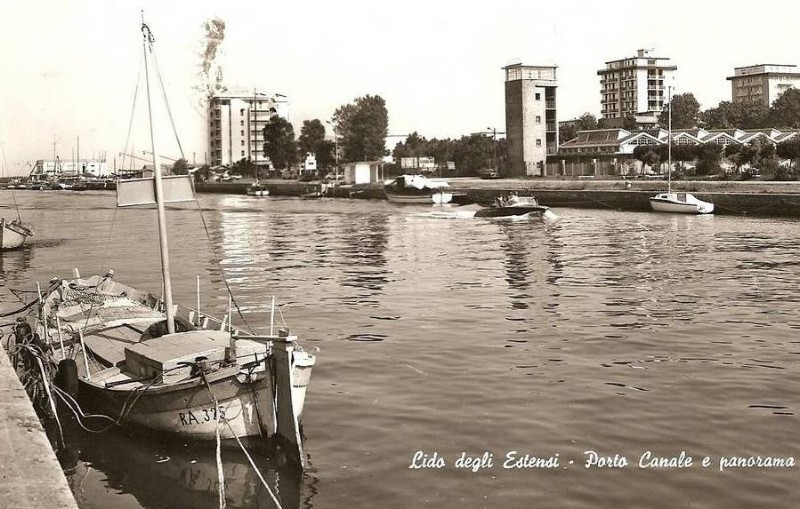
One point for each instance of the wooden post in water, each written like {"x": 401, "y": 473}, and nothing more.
{"x": 287, "y": 430}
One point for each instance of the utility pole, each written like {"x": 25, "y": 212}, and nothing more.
{"x": 335, "y": 149}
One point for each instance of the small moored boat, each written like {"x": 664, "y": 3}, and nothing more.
{"x": 684, "y": 203}
{"x": 417, "y": 189}
{"x": 257, "y": 189}
{"x": 13, "y": 234}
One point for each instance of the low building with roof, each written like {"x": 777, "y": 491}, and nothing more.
{"x": 611, "y": 151}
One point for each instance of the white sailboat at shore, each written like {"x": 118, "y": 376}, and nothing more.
{"x": 677, "y": 202}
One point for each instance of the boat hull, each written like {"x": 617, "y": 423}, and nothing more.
{"x": 207, "y": 375}
{"x": 419, "y": 199}
{"x": 511, "y": 211}
{"x": 680, "y": 203}
{"x": 13, "y": 235}
{"x": 242, "y": 408}
{"x": 257, "y": 192}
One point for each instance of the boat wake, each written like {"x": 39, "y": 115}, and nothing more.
{"x": 547, "y": 216}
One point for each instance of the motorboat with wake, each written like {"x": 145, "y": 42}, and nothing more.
{"x": 514, "y": 206}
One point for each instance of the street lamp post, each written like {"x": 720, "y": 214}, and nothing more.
{"x": 335, "y": 150}
{"x": 494, "y": 145}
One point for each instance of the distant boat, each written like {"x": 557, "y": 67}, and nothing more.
{"x": 417, "y": 189}
{"x": 13, "y": 234}
{"x": 682, "y": 203}
{"x": 514, "y": 206}
{"x": 257, "y": 189}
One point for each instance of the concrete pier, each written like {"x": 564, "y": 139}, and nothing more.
{"x": 30, "y": 475}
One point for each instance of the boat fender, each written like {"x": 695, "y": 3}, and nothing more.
{"x": 67, "y": 377}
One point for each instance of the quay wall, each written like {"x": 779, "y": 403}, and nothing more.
{"x": 30, "y": 474}
{"x": 738, "y": 198}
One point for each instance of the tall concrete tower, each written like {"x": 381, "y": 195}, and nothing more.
{"x": 531, "y": 123}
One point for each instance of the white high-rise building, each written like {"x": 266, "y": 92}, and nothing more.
{"x": 236, "y": 126}
{"x": 634, "y": 86}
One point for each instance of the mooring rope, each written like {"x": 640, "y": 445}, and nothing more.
{"x": 241, "y": 445}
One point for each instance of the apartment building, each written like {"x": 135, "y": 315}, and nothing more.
{"x": 635, "y": 86}
{"x": 762, "y": 83}
{"x": 236, "y": 123}
{"x": 531, "y": 120}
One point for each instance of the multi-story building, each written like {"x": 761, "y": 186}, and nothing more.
{"x": 44, "y": 169}
{"x": 762, "y": 83}
{"x": 531, "y": 122}
{"x": 634, "y": 86}
{"x": 236, "y": 124}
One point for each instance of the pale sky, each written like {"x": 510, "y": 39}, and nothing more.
{"x": 70, "y": 67}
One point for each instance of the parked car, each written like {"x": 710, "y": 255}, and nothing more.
{"x": 490, "y": 174}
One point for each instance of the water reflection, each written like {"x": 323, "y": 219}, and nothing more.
{"x": 14, "y": 262}
{"x": 162, "y": 472}
{"x": 363, "y": 246}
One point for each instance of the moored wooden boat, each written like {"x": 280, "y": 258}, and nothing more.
{"x": 206, "y": 378}
{"x": 141, "y": 360}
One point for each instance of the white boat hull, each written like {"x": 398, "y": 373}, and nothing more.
{"x": 420, "y": 199}
{"x": 680, "y": 203}
{"x": 257, "y": 192}
{"x": 13, "y": 235}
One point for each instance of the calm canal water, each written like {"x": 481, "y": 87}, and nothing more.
{"x": 614, "y": 332}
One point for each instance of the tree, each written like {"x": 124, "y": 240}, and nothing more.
{"x": 311, "y": 134}
{"x": 363, "y": 127}
{"x": 180, "y": 167}
{"x": 785, "y": 111}
{"x": 203, "y": 173}
{"x": 473, "y": 153}
{"x": 244, "y": 167}
{"x": 629, "y": 122}
{"x": 708, "y": 157}
{"x": 324, "y": 150}
{"x": 685, "y": 112}
{"x": 585, "y": 122}
{"x": 279, "y": 143}
{"x": 728, "y": 115}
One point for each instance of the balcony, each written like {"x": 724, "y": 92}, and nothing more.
{"x": 550, "y": 105}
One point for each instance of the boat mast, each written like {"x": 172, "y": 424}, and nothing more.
{"x": 254, "y": 130}
{"x": 669, "y": 138}
{"x": 159, "y": 189}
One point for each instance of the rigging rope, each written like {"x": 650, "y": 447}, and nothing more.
{"x": 133, "y": 111}
{"x": 164, "y": 94}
